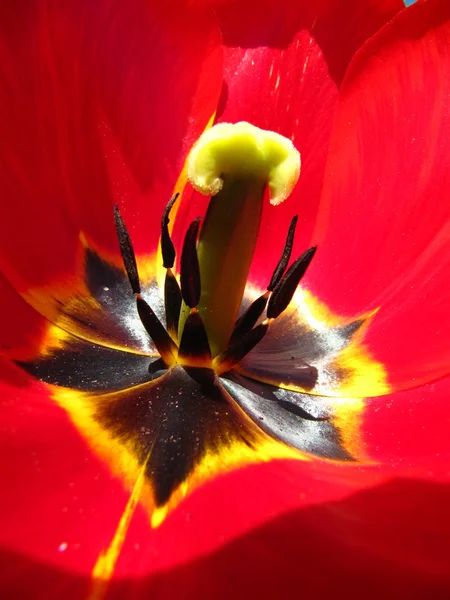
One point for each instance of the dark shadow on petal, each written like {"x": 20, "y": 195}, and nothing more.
{"x": 13, "y": 375}
{"x": 23, "y": 578}
{"x": 387, "y": 542}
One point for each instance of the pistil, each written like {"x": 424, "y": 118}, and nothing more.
{"x": 226, "y": 247}
{"x": 235, "y": 164}
{"x": 204, "y": 337}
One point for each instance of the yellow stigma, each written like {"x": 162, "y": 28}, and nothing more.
{"x": 244, "y": 151}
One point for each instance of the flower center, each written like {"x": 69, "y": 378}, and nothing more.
{"x": 235, "y": 163}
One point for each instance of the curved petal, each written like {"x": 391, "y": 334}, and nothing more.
{"x": 77, "y": 506}
{"x": 383, "y": 229}
{"x": 74, "y": 75}
{"x": 284, "y": 64}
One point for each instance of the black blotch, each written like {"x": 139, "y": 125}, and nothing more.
{"x": 111, "y": 317}
{"x": 288, "y": 418}
{"x": 89, "y": 367}
{"x": 157, "y": 368}
{"x": 172, "y": 423}
{"x": 290, "y": 348}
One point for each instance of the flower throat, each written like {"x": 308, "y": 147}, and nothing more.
{"x": 202, "y": 332}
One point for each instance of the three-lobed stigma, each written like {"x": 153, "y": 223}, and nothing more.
{"x": 241, "y": 151}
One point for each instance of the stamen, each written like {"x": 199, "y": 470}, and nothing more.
{"x": 126, "y": 249}
{"x": 285, "y": 256}
{"x": 172, "y": 292}
{"x": 157, "y": 367}
{"x": 167, "y": 247}
{"x": 247, "y": 321}
{"x": 235, "y": 353}
{"x": 285, "y": 289}
{"x": 162, "y": 340}
{"x": 190, "y": 272}
{"x": 194, "y": 346}
{"x": 172, "y": 303}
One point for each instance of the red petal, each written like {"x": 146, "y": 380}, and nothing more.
{"x": 158, "y": 99}
{"x": 366, "y": 526}
{"x": 22, "y": 328}
{"x": 58, "y": 504}
{"x": 383, "y": 232}
{"x": 323, "y": 529}
{"x": 283, "y": 67}
{"x": 409, "y": 430}
{"x": 152, "y": 70}
{"x": 370, "y": 545}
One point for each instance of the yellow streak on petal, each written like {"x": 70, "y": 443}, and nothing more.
{"x": 158, "y": 516}
{"x": 106, "y": 562}
{"x": 81, "y": 407}
{"x": 348, "y": 419}
{"x": 369, "y": 377}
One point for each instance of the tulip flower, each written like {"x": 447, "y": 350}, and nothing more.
{"x": 224, "y": 271}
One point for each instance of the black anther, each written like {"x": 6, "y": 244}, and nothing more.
{"x": 285, "y": 289}
{"x": 190, "y": 270}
